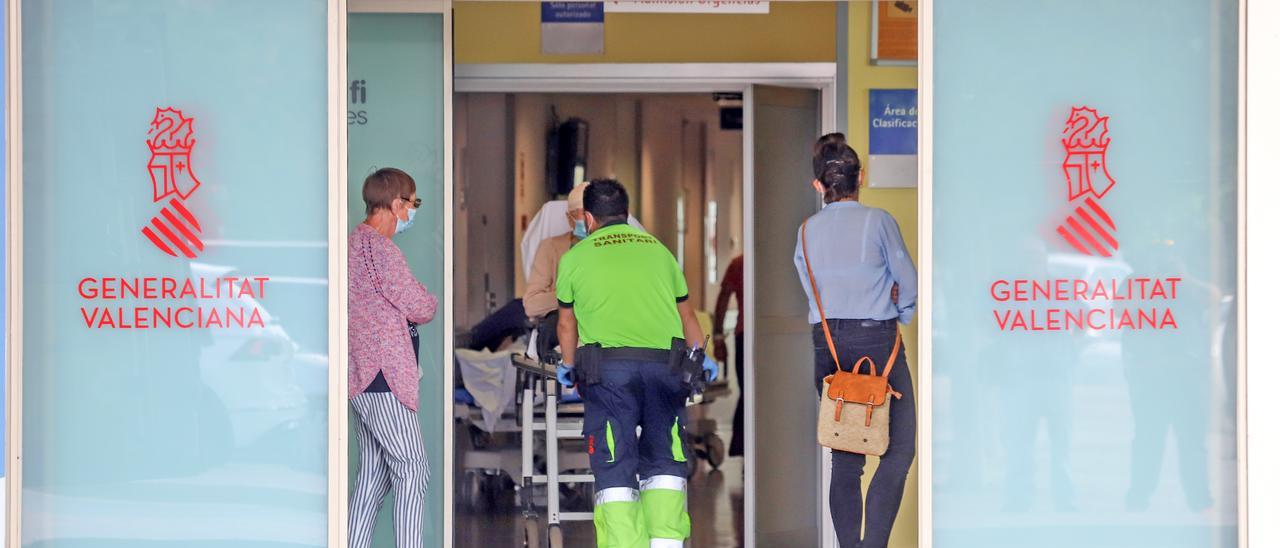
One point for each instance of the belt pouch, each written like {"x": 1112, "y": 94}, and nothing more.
{"x": 589, "y": 358}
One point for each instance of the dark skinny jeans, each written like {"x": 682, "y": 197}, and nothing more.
{"x": 854, "y": 339}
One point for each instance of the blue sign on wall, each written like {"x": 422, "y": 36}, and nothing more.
{"x": 572, "y": 28}
{"x": 573, "y": 12}
{"x": 893, "y": 121}
{"x": 892, "y": 139}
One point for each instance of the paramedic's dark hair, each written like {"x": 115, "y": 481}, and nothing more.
{"x": 606, "y": 200}
{"x": 818, "y": 160}
{"x": 385, "y": 185}
{"x": 840, "y": 179}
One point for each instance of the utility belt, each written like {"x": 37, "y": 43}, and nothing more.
{"x": 680, "y": 359}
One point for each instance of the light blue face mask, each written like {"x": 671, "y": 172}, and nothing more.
{"x": 580, "y": 229}
{"x": 402, "y": 226}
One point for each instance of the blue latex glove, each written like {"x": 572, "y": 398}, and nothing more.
{"x": 710, "y": 369}
{"x": 564, "y": 374}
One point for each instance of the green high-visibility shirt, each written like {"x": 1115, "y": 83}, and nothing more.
{"x": 623, "y": 286}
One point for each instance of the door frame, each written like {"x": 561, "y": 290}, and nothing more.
{"x": 337, "y": 404}
{"x": 13, "y": 274}
{"x": 339, "y": 443}
{"x": 682, "y": 78}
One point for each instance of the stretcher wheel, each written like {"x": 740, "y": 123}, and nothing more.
{"x": 493, "y": 487}
{"x": 555, "y": 537}
{"x": 473, "y": 490}
{"x": 714, "y": 451}
{"x": 479, "y": 438}
{"x": 531, "y": 538}
{"x": 570, "y": 496}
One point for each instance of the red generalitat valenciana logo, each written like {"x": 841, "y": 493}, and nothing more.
{"x": 1130, "y": 302}
{"x": 174, "y": 230}
{"x": 1088, "y": 229}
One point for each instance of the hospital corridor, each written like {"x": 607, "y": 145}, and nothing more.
{"x": 520, "y": 156}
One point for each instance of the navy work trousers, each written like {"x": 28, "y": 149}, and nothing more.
{"x": 630, "y": 394}
{"x": 855, "y": 339}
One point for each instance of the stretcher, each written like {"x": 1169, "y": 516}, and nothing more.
{"x": 560, "y": 420}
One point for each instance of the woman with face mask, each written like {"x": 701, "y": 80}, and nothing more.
{"x": 385, "y": 304}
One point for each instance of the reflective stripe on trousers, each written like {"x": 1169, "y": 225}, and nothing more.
{"x": 674, "y": 483}
{"x": 617, "y": 494}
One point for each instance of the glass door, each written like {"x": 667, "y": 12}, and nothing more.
{"x": 399, "y": 102}
{"x": 782, "y": 456}
{"x": 1083, "y": 195}
{"x": 175, "y": 273}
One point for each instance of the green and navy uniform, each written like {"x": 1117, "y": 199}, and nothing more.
{"x": 623, "y": 286}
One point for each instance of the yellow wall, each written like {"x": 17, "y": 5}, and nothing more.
{"x": 510, "y": 32}
{"x": 900, "y": 202}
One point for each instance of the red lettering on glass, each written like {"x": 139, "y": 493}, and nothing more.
{"x": 228, "y": 302}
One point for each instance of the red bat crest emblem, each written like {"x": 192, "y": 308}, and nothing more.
{"x": 175, "y": 230}
{"x": 1088, "y": 229}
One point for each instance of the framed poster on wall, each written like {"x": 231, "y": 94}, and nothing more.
{"x": 893, "y": 32}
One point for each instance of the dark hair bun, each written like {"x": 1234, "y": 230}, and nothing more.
{"x": 840, "y": 178}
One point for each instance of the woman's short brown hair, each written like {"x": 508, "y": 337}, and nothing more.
{"x": 385, "y": 185}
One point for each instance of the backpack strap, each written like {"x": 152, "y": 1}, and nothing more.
{"x": 813, "y": 284}
{"x": 893, "y": 356}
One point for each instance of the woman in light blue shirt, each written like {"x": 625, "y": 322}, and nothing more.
{"x": 868, "y": 285}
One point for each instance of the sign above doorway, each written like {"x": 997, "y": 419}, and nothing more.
{"x": 687, "y": 6}
{"x": 572, "y": 28}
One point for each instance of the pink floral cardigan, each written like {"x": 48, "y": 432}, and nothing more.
{"x": 382, "y": 298}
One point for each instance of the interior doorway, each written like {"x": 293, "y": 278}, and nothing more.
{"x": 680, "y": 156}
{"x": 686, "y": 141}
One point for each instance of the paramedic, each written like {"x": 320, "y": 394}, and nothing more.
{"x": 540, "y": 291}
{"x": 858, "y": 255}
{"x": 385, "y": 303}
{"x": 621, "y": 289}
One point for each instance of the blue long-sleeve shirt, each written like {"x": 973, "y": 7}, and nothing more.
{"x": 857, "y": 254}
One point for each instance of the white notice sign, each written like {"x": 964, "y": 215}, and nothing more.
{"x": 686, "y": 6}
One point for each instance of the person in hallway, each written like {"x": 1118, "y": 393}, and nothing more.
{"x": 731, "y": 287}
{"x": 385, "y": 304}
{"x": 624, "y": 298}
{"x": 857, "y": 255}
{"x": 540, "y": 291}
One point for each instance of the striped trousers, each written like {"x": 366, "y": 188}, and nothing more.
{"x": 392, "y": 457}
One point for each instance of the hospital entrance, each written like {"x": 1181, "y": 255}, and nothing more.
{"x": 682, "y": 159}
{"x": 517, "y": 157}
{"x": 714, "y": 151}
